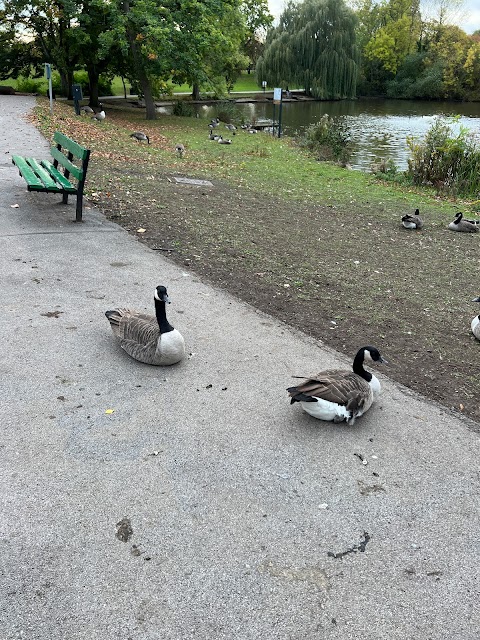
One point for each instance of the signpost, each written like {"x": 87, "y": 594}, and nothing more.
{"x": 277, "y": 99}
{"x": 48, "y": 73}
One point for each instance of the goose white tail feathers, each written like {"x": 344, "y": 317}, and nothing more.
{"x": 337, "y": 395}
{"x": 146, "y": 338}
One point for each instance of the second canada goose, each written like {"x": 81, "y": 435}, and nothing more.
{"x": 460, "y": 224}
{"x": 149, "y": 339}
{"x": 412, "y": 221}
{"x": 476, "y": 322}
{"x": 101, "y": 115}
{"x": 140, "y": 136}
{"x": 337, "y": 394}
{"x": 87, "y": 109}
{"x": 214, "y": 136}
{"x": 232, "y": 128}
{"x": 224, "y": 141}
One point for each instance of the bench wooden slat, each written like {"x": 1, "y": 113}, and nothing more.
{"x": 69, "y": 144}
{"x": 45, "y": 177}
{"x": 27, "y": 172}
{"x": 59, "y": 177}
{"x": 65, "y": 162}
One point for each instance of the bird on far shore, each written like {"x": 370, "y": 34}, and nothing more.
{"x": 140, "y": 136}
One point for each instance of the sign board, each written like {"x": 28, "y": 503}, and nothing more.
{"x": 277, "y": 95}
{"x": 48, "y": 71}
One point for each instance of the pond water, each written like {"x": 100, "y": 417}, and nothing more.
{"x": 379, "y": 127}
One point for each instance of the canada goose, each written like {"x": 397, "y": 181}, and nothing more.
{"x": 476, "y": 322}
{"x": 180, "y": 149}
{"x": 149, "y": 339}
{"x": 99, "y": 116}
{"x": 140, "y": 136}
{"x": 87, "y": 109}
{"x": 412, "y": 221}
{"x": 340, "y": 395}
{"x": 232, "y": 128}
{"x": 252, "y": 130}
{"x": 224, "y": 141}
{"x": 214, "y": 136}
{"x": 460, "y": 224}
{"x": 214, "y": 122}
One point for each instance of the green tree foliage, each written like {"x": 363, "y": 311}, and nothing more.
{"x": 314, "y": 46}
{"x": 257, "y": 22}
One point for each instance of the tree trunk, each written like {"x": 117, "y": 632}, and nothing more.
{"x": 195, "y": 91}
{"x": 93, "y": 78}
{"x": 124, "y": 88}
{"x": 142, "y": 76}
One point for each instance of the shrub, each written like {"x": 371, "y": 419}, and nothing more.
{"x": 447, "y": 161}
{"x": 28, "y": 85}
{"x": 329, "y": 139}
{"x": 228, "y": 112}
{"x": 182, "y": 108}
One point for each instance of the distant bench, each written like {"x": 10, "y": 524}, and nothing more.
{"x": 43, "y": 175}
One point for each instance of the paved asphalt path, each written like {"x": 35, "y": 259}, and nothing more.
{"x": 204, "y": 506}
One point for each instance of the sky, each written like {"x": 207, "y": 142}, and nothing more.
{"x": 468, "y": 19}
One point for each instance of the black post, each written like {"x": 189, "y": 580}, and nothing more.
{"x": 280, "y": 119}
{"x": 273, "y": 126}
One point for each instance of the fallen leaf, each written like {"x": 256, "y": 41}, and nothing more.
{"x": 141, "y": 230}
{"x": 109, "y": 411}
{"x": 15, "y": 206}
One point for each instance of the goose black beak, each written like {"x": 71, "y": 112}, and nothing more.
{"x": 383, "y": 361}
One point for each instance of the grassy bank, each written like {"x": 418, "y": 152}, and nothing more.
{"x": 318, "y": 246}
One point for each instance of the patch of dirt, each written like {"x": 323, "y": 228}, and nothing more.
{"x": 348, "y": 278}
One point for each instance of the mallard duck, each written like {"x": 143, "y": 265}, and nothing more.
{"x": 140, "y": 136}
{"x": 412, "y": 221}
{"x": 338, "y": 394}
{"x": 461, "y": 224}
{"x": 101, "y": 115}
{"x": 180, "y": 149}
{"x": 149, "y": 339}
{"x": 476, "y": 322}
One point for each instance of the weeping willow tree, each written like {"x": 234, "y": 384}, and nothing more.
{"x": 313, "y": 47}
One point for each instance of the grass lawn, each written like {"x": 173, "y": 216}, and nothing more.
{"x": 318, "y": 246}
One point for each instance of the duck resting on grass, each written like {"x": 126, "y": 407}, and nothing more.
{"x": 412, "y": 221}
{"x": 459, "y": 223}
{"x": 337, "y": 394}
{"x": 146, "y": 338}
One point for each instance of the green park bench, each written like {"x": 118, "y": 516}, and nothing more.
{"x": 45, "y": 176}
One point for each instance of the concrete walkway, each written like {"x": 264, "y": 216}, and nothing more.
{"x": 243, "y": 517}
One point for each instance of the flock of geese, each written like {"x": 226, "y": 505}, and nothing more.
{"x": 140, "y": 136}
{"x": 333, "y": 395}
{"x": 459, "y": 223}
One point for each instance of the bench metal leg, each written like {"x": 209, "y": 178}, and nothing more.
{"x": 78, "y": 217}
{"x": 65, "y": 198}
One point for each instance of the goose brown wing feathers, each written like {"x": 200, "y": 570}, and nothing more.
{"x": 335, "y": 385}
